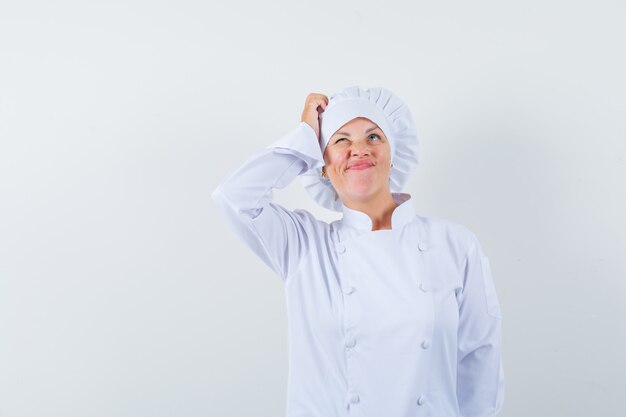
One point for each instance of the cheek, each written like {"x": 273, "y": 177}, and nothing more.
{"x": 386, "y": 159}
{"x": 332, "y": 159}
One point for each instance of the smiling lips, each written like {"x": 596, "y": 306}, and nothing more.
{"x": 360, "y": 165}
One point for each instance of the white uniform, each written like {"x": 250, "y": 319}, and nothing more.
{"x": 387, "y": 323}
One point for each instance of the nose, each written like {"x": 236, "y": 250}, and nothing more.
{"x": 359, "y": 148}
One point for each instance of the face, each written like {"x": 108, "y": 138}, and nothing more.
{"x": 358, "y": 159}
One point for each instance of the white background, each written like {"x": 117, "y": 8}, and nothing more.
{"x": 123, "y": 293}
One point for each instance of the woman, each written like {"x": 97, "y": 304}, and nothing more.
{"x": 391, "y": 314}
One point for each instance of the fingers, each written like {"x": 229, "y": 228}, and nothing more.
{"x": 314, "y": 106}
{"x": 316, "y": 100}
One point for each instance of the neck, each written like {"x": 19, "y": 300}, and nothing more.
{"x": 378, "y": 208}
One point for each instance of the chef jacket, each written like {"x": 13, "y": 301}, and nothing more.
{"x": 387, "y": 323}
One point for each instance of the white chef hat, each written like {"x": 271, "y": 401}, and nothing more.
{"x": 393, "y": 117}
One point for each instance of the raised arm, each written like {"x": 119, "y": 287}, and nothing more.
{"x": 480, "y": 376}
{"x": 277, "y": 235}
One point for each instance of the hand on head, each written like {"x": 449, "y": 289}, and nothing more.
{"x": 314, "y": 105}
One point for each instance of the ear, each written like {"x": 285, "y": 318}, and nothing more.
{"x": 325, "y": 156}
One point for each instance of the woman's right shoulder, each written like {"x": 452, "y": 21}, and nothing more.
{"x": 309, "y": 219}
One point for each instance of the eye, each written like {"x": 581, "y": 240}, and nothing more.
{"x": 340, "y": 139}
{"x": 374, "y": 135}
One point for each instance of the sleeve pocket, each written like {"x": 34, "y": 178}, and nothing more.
{"x": 493, "y": 306}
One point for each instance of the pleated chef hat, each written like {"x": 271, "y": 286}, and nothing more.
{"x": 385, "y": 109}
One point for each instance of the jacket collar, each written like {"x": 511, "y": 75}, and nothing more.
{"x": 404, "y": 213}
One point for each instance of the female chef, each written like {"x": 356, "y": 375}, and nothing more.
{"x": 390, "y": 313}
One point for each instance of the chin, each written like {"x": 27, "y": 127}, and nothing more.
{"x": 360, "y": 189}
{"x": 359, "y": 193}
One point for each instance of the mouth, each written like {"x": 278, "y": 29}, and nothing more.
{"x": 360, "y": 166}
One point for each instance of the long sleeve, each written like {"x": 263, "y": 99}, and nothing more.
{"x": 277, "y": 235}
{"x": 480, "y": 376}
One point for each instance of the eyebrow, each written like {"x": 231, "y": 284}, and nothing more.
{"x": 347, "y": 134}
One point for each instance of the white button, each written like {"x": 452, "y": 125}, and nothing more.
{"x": 354, "y": 398}
{"x": 351, "y": 342}
{"x": 422, "y": 246}
{"x": 421, "y": 400}
{"x": 341, "y": 248}
{"x": 426, "y": 344}
{"x": 348, "y": 289}
{"x": 424, "y": 286}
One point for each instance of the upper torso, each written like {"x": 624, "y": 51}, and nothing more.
{"x": 373, "y": 318}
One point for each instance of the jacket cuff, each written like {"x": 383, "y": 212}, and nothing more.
{"x": 302, "y": 140}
